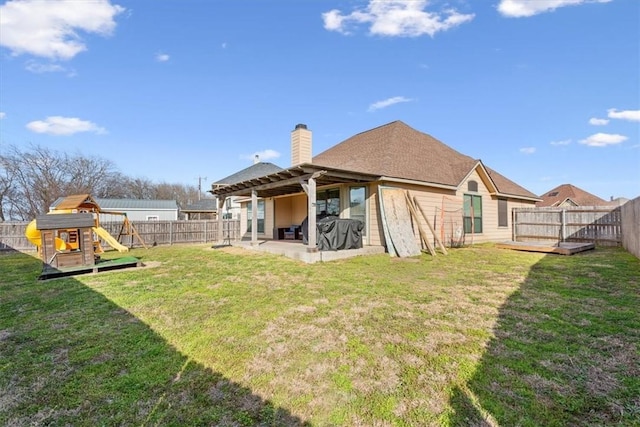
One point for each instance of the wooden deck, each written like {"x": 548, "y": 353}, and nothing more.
{"x": 562, "y": 248}
{"x": 49, "y": 272}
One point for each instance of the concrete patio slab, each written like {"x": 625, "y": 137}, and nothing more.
{"x": 298, "y": 251}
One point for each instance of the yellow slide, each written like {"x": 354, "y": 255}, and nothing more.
{"x": 110, "y": 239}
{"x": 33, "y": 235}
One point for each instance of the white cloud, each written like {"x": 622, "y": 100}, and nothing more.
{"x": 263, "y": 155}
{"x": 57, "y": 125}
{"x": 162, "y": 57}
{"x": 562, "y": 142}
{"x": 388, "y": 102}
{"x": 603, "y": 139}
{"x": 598, "y": 122}
{"x": 631, "y": 115}
{"x": 50, "y": 28}
{"x": 528, "y": 150}
{"x": 2, "y": 115}
{"x": 403, "y": 18}
{"x": 40, "y": 68}
{"x": 525, "y": 8}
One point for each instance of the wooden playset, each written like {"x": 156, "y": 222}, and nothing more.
{"x": 69, "y": 238}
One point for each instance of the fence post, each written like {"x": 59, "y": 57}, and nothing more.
{"x": 563, "y": 223}
{"x": 205, "y": 232}
{"x": 170, "y": 233}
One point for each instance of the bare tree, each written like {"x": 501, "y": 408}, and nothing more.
{"x": 183, "y": 194}
{"x": 7, "y": 188}
{"x": 31, "y": 180}
{"x": 138, "y": 188}
{"x": 92, "y": 175}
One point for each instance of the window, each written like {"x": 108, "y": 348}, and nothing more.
{"x": 503, "y": 213}
{"x": 328, "y": 203}
{"x": 357, "y": 207}
{"x": 152, "y": 218}
{"x": 260, "y": 216}
{"x": 472, "y": 216}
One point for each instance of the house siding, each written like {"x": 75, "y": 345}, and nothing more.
{"x": 376, "y": 234}
{"x": 443, "y": 208}
{"x": 290, "y": 210}
{"x": 491, "y": 231}
{"x": 142, "y": 215}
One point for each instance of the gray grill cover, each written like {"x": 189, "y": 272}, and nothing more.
{"x": 336, "y": 234}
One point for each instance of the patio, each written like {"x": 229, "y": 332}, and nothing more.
{"x": 298, "y": 251}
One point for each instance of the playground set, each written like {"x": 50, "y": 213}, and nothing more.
{"x": 69, "y": 237}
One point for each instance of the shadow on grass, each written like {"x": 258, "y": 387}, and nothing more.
{"x": 565, "y": 350}
{"x": 69, "y": 356}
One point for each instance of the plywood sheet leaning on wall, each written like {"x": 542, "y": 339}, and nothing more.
{"x": 397, "y": 224}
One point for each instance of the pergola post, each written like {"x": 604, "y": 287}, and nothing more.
{"x": 312, "y": 240}
{"x": 254, "y": 217}
{"x": 220, "y": 236}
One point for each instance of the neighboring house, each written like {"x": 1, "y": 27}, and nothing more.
{"x": 459, "y": 194}
{"x": 618, "y": 201}
{"x": 139, "y": 209}
{"x": 201, "y": 209}
{"x": 567, "y": 195}
{"x": 135, "y": 209}
{"x": 232, "y": 206}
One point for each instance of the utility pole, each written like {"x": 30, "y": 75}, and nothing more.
{"x": 200, "y": 178}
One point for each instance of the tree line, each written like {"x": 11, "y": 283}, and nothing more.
{"x": 32, "y": 179}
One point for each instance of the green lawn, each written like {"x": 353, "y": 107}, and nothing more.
{"x": 203, "y": 336}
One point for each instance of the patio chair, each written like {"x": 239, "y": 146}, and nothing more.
{"x": 290, "y": 233}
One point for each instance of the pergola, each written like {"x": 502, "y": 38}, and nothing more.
{"x": 289, "y": 181}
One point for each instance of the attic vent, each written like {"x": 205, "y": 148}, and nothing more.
{"x": 472, "y": 186}
{"x": 555, "y": 193}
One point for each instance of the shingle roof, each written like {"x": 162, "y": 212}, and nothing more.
{"x": 75, "y": 201}
{"x": 506, "y": 186}
{"x": 256, "y": 170}
{"x": 86, "y": 201}
{"x": 578, "y": 196}
{"x": 396, "y": 150}
{"x": 202, "y": 205}
{"x": 115, "y": 204}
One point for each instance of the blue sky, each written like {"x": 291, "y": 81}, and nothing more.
{"x": 545, "y": 92}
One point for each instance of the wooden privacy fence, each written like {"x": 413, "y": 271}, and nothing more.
{"x": 152, "y": 232}
{"x": 599, "y": 225}
{"x": 12, "y": 236}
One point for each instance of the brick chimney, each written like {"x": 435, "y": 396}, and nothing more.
{"x": 300, "y": 145}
